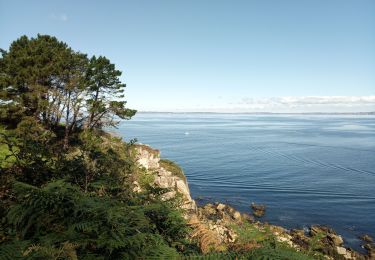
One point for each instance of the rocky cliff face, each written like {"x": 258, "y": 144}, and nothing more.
{"x": 149, "y": 159}
{"x": 213, "y": 224}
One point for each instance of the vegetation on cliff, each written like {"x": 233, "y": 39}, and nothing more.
{"x": 173, "y": 168}
{"x": 66, "y": 186}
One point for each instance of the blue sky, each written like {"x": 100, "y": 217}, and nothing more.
{"x": 212, "y": 55}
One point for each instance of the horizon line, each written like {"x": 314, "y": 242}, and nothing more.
{"x": 290, "y": 113}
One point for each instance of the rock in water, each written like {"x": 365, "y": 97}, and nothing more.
{"x": 366, "y": 238}
{"x": 336, "y": 239}
{"x": 258, "y": 209}
{"x": 317, "y": 229}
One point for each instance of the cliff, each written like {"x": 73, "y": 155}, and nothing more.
{"x": 220, "y": 227}
{"x": 165, "y": 175}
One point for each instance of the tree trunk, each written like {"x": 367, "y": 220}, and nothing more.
{"x": 93, "y": 106}
{"x": 67, "y": 129}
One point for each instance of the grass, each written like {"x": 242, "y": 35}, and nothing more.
{"x": 269, "y": 247}
{"x": 248, "y": 232}
{"x": 267, "y": 252}
{"x": 277, "y": 251}
{"x": 173, "y": 168}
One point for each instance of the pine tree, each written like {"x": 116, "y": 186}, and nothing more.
{"x": 105, "y": 91}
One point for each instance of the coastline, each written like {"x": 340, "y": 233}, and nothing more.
{"x": 224, "y": 223}
{"x": 369, "y": 113}
{"x": 274, "y": 160}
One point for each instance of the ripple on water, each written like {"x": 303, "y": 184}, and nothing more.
{"x": 306, "y": 169}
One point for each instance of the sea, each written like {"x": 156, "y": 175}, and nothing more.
{"x": 307, "y": 169}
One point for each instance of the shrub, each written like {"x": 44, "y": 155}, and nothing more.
{"x": 59, "y": 216}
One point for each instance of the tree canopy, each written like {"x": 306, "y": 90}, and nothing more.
{"x": 45, "y": 79}
{"x": 65, "y": 184}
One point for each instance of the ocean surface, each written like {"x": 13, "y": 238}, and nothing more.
{"x": 307, "y": 169}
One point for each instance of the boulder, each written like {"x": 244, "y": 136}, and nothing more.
{"x": 366, "y": 238}
{"x": 258, "y": 209}
{"x": 335, "y": 239}
{"x": 208, "y": 210}
{"x": 147, "y": 157}
{"x": 286, "y": 240}
{"x": 330, "y": 236}
{"x": 341, "y": 250}
{"x": 297, "y": 233}
{"x": 231, "y": 236}
{"x": 299, "y": 238}
{"x": 370, "y": 250}
{"x": 248, "y": 218}
{"x": 230, "y": 210}
{"x": 237, "y": 216}
{"x": 317, "y": 229}
{"x": 220, "y": 206}
{"x": 277, "y": 229}
{"x": 369, "y": 247}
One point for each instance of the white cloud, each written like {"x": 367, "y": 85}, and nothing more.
{"x": 328, "y": 100}
{"x": 59, "y": 17}
{"x": 307, "y": 104}
{"x": 311, "y": 101}
{"x": 285, "y": 104}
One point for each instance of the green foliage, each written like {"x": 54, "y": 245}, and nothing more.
{"x": 97, "y": 157}
{"x": 66, "y": 186}
{"x": 145, "y": 178}
{"x": 315, "y": 242}
{"x": 276, "y": 251}
{"x": 267, "y": 252}
{"x": 173, "y": 168}
{"x": 61, "y": 214}
{"x": 30, "y": 149}
{"x": 104, "y": 87}
{"x": 168, "y": 223}
{"x": 28, "y": 68}
{"x": 6, "y": 159}
{"x": 268, "y": 247}
{"x": 249, "y": 232}
{"x": 43, "y": 78}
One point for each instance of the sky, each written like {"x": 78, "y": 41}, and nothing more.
{"x": 219, "y": 56}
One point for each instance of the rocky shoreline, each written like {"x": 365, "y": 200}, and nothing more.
{"x": 220, "y": 227}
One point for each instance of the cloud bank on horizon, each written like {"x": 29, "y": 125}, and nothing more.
{"x": 286, "y": 104}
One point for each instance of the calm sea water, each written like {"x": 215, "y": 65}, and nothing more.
{"x": 307, "y": 169}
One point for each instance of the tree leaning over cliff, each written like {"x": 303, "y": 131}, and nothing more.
{"x": 77, "y": 202}
{"x": 45, "y": 79}
{"x": 105, "y": 89}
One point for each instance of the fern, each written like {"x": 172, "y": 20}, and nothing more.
{"x": 50, "y": 216}
{"x": 65, "y": 251}
{"x": 12, "y": 250}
